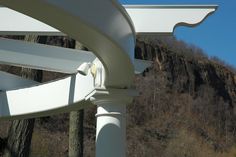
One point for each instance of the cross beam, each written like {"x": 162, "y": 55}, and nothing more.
{"x": 155, "y": 19}
{"x": 50, "y": 58}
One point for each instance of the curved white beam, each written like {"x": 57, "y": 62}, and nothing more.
{"x": 107, "y": 32}
{"x": 164, "y": 18}
{"x": 47, "y": 98}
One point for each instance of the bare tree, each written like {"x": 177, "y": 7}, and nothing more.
{"x": 20, "y": 133}
{"x": 76, "y": 134}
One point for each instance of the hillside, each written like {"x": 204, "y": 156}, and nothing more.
{"x": 187, "y": 102}
{"x": 186, "y": 107}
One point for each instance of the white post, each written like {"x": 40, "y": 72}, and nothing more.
{"x": 111, "y": 129}
{"x": 111, "y": 121}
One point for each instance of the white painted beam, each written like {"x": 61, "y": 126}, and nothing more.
{"x": 164, "y": 18}
{"x": 146, "y": 19}
{"x": 50, "y": 58}
{"x": 45, "y": 57}
{"x": 15, "y": 23}
{"x": 59, "y": 96}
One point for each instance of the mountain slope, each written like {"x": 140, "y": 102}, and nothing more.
{"x": 187, "y": 102}
{"x": 186, "y": 107}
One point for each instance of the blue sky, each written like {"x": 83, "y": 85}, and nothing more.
{"x": 216, "y": 35}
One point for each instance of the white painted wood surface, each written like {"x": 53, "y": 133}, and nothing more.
{"x": 36, "y": 100}
{"x": 15, "y": 23}
{"x": 163, "y": 18}
{"x": 146, "y": 19}
{"x": 104, "y": 27}
{"x": 50, "y": 58}
{"x": 45, "y": 57}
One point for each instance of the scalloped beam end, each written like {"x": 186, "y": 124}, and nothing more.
{"x": 163, "y": 19}
{"x": 146, "y": 19}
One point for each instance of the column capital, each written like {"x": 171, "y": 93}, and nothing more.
{"x": 111, "y": 120}
{"x": 114, "y": 95}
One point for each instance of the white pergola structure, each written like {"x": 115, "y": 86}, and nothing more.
{"x": 103, "y": 77}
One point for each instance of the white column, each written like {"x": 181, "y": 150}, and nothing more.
{"x": 111, "y": 128}
{"x": 111, "y": 120}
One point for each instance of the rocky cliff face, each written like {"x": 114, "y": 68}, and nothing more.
{"x": 188, "y": 74}
{"x": 183, "y": 94}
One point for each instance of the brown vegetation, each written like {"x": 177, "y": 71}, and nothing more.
{"x": 186, "y": 108}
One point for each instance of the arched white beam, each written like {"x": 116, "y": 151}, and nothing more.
{"x": 103, "y": 26}
{"x": 60, "y": 96}
{"x": 50, "y": 58}
{"x": 164, "y": 18}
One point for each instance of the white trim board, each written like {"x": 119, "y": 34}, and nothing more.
{"x": 146, "y": 19}
{"x": 50, "y": 58}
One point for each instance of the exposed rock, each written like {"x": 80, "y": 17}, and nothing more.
{"x": 188, "y": 75}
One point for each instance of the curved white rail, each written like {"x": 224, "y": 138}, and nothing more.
{"x": 107, "y": 32}
{"x": 57, "y": 96}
